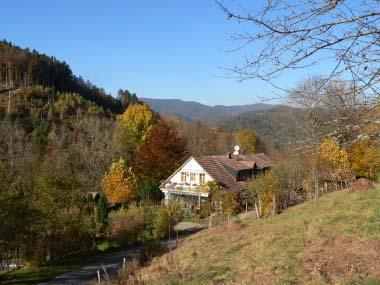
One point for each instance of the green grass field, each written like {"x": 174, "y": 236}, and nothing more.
{"x": 335, "y": 242}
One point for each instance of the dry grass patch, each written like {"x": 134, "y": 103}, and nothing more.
{"x": 341, "y": 258}
{"x": 335, "y": 242}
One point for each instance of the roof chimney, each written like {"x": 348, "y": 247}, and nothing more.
{"x": 236, "y": 150}
{"x": 229, "y": 155}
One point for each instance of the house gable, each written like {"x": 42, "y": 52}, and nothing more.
{"x": 190, "y": 167}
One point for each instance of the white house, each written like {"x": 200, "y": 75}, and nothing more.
{"x": 231, "y": 171}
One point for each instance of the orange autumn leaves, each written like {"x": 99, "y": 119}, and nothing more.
{"x": 151, "y": 150}
{"x": 119, "y": 183}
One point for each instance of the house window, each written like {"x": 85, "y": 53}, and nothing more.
{"x": 183, "y": 176}
{"x": 192, "y": 176}
{"x": 202, "y": 177}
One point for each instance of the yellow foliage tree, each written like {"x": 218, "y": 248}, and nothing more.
{"x": 331, "y": 152}
{"x": 119, "y": 183}
{"x": 264, "y": 189}
{"x": 247, "y": 140}
{"x": 137, "y": 120}
{"x": 365, "y": 159}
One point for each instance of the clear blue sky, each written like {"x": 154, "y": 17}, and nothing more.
{"x": 158, "y": 49}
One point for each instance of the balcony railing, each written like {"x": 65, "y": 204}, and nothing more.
{"x": 186, "y": 188}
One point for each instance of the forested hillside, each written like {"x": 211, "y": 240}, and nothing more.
{"x": 274, "y": 124}
{"x": 278, "y": 125}
{"x": 57, "y": 142}
{"x": 20, "y": 68}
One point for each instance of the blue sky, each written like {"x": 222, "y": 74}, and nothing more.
{"x": 157, "y": 49}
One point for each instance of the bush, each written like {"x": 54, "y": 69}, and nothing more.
{"x": 127, "y": 226}
{"x": 149, "y": 250}
{"x": 166, "y": 218}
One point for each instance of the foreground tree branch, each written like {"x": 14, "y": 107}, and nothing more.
{"x": 285, "y": 35}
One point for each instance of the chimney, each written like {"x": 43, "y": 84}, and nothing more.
{"x": 229, "y": 155}
{"x": 236, "y": 150}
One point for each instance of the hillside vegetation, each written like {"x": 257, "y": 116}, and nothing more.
{"x": 57, "y": 141}
{"x": 21, "y": 68}
{"x": 335, "y": 242}
{"x": 281, "y": 124}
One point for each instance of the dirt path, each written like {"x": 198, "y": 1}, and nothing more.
{"x": 112, "y": 262}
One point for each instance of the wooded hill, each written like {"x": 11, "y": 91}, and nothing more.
{"x": 37, "y": 88}
{"x": 278, "y": 125}
{"x": 20, "y": 68}
{"x": 56, "y": 144}
{"x": 191, "y": 110}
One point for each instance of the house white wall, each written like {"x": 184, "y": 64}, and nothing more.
{"x": 192, "y": 166}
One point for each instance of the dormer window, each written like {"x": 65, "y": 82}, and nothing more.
{"x": 244, "y": 175}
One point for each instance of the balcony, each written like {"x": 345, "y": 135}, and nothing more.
{"x": 193, "y": 189}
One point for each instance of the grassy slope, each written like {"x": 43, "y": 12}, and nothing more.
{"x": 336, "y": 242}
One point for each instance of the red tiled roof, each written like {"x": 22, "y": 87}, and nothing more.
{"x": 217, "y": 166}
{"x": 241, "y": 162}
{"x": 262, "y": 161}
{"x": 217, "y": 171}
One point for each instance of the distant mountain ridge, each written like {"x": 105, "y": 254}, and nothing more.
{"x": 197, "y": 111}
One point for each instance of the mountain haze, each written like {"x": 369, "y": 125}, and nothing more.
{"x": 197, "y": 111}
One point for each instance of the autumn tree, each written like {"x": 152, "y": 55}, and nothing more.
{"x": 119, "y": 183}
{"x": 264, "y": 190}
{"x": 162, "y": 153}
{"x": 365, "y": 159}
{"x": 334, "y": 159}
{"x": 228, "y": 202}
{"x": 132, "y": 129}
{"x": 247, "y": 140}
